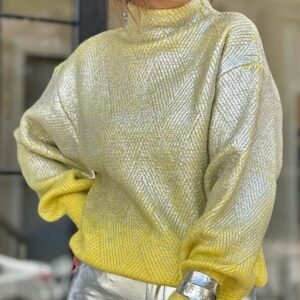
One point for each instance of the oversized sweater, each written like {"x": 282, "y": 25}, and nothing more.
{"x": 163, "y": 144}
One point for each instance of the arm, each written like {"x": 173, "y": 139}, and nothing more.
{"x": 48, "y": 156}
{"x": 245, "y": 160}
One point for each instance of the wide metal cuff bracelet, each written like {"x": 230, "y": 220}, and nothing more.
{"x": 197, "y": 284}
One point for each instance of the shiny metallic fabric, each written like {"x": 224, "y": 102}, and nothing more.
{"x": 163, "y": 146}
{"x": 89, "y": 283}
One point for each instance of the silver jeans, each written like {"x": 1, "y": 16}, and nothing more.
{"x": 89, "y": 283}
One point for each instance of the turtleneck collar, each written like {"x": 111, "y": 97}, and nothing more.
{"x": 158, "y": 22}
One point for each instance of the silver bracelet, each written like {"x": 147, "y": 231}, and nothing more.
{"x": 197, "y": 285}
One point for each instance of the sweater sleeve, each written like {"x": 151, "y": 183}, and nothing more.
{"x": 245, "y": 160}
{"x": 48, "y": 156}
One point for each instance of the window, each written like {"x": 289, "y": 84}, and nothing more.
{"x": 35, "y": 36}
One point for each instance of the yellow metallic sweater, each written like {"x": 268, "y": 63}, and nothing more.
{"x": 163, "y": 145}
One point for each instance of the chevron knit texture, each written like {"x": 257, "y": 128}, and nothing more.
{"x": 163, "y": 144}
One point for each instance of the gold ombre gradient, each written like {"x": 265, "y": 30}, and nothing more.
{"x": 164, "y": 145}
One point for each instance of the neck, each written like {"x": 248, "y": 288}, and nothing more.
{"x": 155, "y": 24}
{"x": 157, "y": 4}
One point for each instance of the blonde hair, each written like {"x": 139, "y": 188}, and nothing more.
{"x": 122, "y": 5}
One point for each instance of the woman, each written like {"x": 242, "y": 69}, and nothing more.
{"x": 162, "y": 141}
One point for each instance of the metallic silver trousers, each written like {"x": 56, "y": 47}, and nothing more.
{"x": 89, "y": 283}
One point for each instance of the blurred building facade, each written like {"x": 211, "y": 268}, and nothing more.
{"x": 38, "y": 34}
{"x": 35, "y": 36}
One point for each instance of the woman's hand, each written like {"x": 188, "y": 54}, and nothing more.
{"x": 76, "y": 262}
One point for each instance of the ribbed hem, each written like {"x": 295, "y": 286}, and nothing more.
{"x": 119, "y": 253}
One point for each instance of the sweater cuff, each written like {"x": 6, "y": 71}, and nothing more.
{"x": 68, "y": 204}
{"x": 176, "y": 296}
{"x": 73, "y": 206}
{"x": 228, "y": 288}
